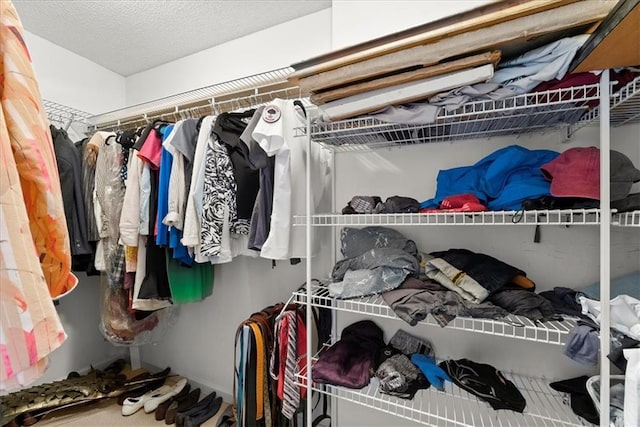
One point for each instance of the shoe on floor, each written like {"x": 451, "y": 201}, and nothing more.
{"x": 226, "y": 419}
{"x": 171, "y": 387}
{"x": 181, "y": 405}
{"x": 161, "y": 410}
{"x": 206, "y": 413}
{"x": 180, "y": 416}
{"x": 131, "y": 405}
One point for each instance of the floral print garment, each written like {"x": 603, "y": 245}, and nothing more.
{"x": 35, "y": 257}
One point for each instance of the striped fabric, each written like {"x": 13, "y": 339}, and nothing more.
{"x": 30, "y": 212}
{"x": 291, "y": 392}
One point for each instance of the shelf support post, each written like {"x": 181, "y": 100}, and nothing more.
{"x": 605, "y": 241}
{"x": 309, "y": 407}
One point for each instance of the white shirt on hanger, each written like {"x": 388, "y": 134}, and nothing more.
{"x": 275, "y": 132}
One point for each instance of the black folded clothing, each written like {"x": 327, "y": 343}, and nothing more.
{"x": 491, "y": 273}
{"x": 486, "y": 382}
{"x": 362, "y": 205}
{"x": 398, "y": 204}
{"x": 374, "y": 205}
{"x": 581, "y": 403}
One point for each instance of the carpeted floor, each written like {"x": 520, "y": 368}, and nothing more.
{"x": 107, "y": 413}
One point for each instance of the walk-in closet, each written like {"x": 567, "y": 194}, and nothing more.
{"x": 320, "y": 213}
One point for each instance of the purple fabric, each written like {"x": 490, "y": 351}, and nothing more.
{"x": 351, "y": 360}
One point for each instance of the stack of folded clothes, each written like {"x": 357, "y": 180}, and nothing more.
{"x": 377, "y": 259}
{"x": 459, "y": 282}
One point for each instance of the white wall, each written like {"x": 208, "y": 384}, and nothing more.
{"x": 72, "y": 80}
{"x": 356, "y": 21}
{"x": 269, "y": 49}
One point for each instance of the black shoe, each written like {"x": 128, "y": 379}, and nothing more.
{"x": 226, "y": 419}
{"x": 197, "y": 419}
{"x": 180, "y": 416}
{"x": 161, "y": 410}
{"x": 182, "y": 405}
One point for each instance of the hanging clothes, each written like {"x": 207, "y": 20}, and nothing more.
{"x": 88, "y": 177}
{"x": 275, "y": 133}
{"x": 30, "y": 140}
{"x": 265, "y": 165}
{"x": 218, "y": 199}
{"x": 193, "y": 210}
{"x": 155, "y": 283}
{"x": 108, "y": 199}
{"x": 30, "y": 326}
{"x": 228, "y": 128}
{"x": 70, "y": 171}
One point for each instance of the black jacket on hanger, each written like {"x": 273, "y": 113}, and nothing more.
{"x": 228, "y": 128}
{"x": 70, "y": 171}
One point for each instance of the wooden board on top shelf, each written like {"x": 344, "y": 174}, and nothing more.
{"x": 523, "y": 28}
{"x": 410, "y": 76}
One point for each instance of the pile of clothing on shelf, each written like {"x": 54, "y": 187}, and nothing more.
{"x": 420, "y": 96}
{"x": 528, "y": 73}
{"x": 624, "y": 394}
{"x": 460, "y": 282}
{"x": 515, "y": 178}
{"x": 445, "y": 284}
{"x": 406, "y": 365}
{"x": 583, "y": 343}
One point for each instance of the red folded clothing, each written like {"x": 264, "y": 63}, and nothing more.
{"x": 459, "y": 203}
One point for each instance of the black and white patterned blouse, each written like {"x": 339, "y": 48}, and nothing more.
{"x": 219, "y": 192}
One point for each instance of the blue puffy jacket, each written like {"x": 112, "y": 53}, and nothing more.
{"x": 502, "y": 180}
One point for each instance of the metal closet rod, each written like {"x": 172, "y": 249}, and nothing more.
{"x": 238, "y": 101}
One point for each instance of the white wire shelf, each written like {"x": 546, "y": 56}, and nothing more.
{"x": 532, "y": 112}
{"x": 512, "y": 326}
{"x": 625, "y": 108}
{"x": 532, "y": 217}
{"x": 455, "y": 407}
{"x": 64, "y": 113}
{"x": 627, "y": 219}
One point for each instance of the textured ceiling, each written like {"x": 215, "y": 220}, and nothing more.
{"x": 128, "y": 36}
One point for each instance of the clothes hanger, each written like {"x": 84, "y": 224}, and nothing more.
{"x": 68, "y": 124}
{"x": 286, "y": 306}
